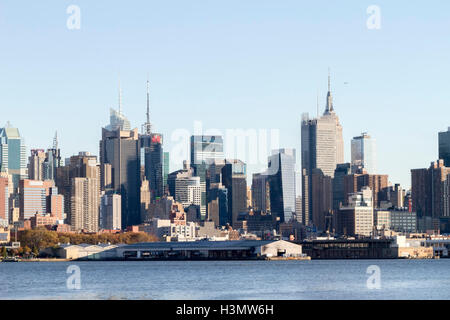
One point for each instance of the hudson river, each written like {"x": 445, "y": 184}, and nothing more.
{"x": 341, "y": 279}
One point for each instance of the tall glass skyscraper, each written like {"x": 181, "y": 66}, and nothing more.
{"x": 13, "y": 158}
{"x": 444, "y": 147}
{"x": 364, "y": 153}
{"x": 282, "y": 183}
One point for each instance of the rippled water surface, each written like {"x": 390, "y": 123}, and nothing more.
{"x": 341, "y": 279}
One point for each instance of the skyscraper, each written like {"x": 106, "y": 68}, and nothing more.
{"x": 205, "y": 151}
{"x": 83, "y": 165}
{"x": 188, "y": 191}
{"x": 13, "y": 157}
{"x": 430, "y": 191}
{"x": 234, "y": 178}
{"x": 85, "y": 204}
{"x": 173, "y": 176}
{"x": 364, "y": 153}
{"x": 4, "y": 202}
{"x": 36, "y": 164}
{"x": 339, "y": 196}
{"x": 376, "y": 182}
{"x": 82, "y": 185}
{"x": 261, "y": 192}
{"x": 110, "y": 212}
{"x": 33, "y": 197}
{"x": 146, "y": 200}
{"x": 322, "y": 148}
{"x": 218, "y": 204}
{"x": 43, "y": 165}
{"x": 282, "y": 184}
{"x": 322, "y": 200}
{"x": 444, "y": 147}
{"x": 152, "y": 146}
{"x": 120, "y": 160}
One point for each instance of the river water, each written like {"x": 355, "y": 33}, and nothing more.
{"x": 174, "y": 280}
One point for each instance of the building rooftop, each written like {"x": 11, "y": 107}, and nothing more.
{"x": 189, "y": 245}
{"x": 10, "y": 133}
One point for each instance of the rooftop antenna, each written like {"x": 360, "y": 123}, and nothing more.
{"x": 120, "y": 98}
{"x": 148, "y": 107}
{"x": 317, "y": 103}
{"x": 329, "y": 80}
{"x": 55, "y": 141}
{"x": 329, "y": 107}
{"x": 147, "y": 127}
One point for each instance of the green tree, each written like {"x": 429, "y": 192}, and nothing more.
{"x": 4, "y": 253}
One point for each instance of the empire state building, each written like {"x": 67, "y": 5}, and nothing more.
{"x": 322, "y": 148}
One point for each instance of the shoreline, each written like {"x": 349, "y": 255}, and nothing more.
{"x": 165, "y": 260}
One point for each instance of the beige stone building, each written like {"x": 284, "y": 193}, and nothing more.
{"x": 85, "y": 204}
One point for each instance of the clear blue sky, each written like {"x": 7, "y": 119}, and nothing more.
{"x": 230, "y": 64}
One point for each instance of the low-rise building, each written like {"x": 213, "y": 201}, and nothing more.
{"x": 84, "y": 251}
{"x": 398, "y": 220}
{"x": 214, "y": 250}
{"x": 41, "y": 220}
{"x": 4, "y": 235}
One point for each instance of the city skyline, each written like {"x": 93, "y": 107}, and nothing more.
{"x": 264, "y": 61}
{"x": 179, "y": 165}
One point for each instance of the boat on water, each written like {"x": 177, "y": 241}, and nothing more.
{"x": 10, "y": 259}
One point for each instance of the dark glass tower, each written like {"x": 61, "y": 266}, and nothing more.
{"x": 282, "y": 184}
{"x": 120, "y": 170}
{"x": 234, "y": 178}
{"x": 153, "y": 163}
{"x": 444, "y": 147}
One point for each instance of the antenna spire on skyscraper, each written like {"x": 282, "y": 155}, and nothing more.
{"x": 329, "y": 107}
{"x": 120, "y": 98}
{"x": 147, "y": 127}
{"x": 329, "y": 80}
{"x": 55, "y": 141}
{"x": 317, "y": 103}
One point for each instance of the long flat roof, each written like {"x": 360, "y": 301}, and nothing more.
{"x": 191, "y": 245}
